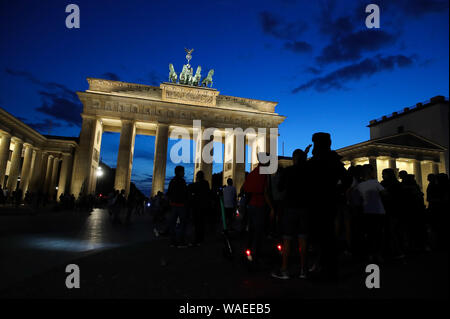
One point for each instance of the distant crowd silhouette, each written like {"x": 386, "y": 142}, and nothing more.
{"x": 331, "y": 212}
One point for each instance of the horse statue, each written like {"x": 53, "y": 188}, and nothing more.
{"x": 208, "y": 80}
{"x": 197, "y": 76}
{"x": 172, "y": 74}
{"x": 190, "y": 75}
{"x": 184, "y": 74}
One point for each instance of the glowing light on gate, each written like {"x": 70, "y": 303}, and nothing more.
{"x": 237, "y": 213}
{"x": 279, "y": 247}
{"x": 248, "y": 252}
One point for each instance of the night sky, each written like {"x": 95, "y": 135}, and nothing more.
{"x": 316, "y": 58}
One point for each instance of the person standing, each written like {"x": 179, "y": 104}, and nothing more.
{"x": 200, "y": 199}
{"x": 373, "y": 213}
{"x": 229, "y": 202}
{"x": 294, "y": 220}
{"x": 324, "y": 171}
{"x": 178, "y": 198}
{"x": 256, "y": 188}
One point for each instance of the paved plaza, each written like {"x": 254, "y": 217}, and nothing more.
{"x": 128, "y": 261}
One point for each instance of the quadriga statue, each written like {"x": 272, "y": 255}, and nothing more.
{"x": 197, "y": 76}
{"x": 172, "y": 74}
{"x": 208, "y": 80}
{"x": 184, "y": 75}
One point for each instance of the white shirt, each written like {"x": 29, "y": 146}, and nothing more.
{"x": 229, "y": 196}
{"x": 370, "y": 193}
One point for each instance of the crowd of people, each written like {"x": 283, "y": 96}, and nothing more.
{"x": 317, "y": 205}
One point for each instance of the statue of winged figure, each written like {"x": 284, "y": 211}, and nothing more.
{"x": 208, "y": 80}
{"x": 172, "y": 74}
{"x": 197, "y": 76}
{"x": 188, "y": 55}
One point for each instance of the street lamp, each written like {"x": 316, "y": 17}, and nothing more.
{"x": 99, "y": 172}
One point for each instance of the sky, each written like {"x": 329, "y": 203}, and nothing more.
{"x": 317, "y": 59}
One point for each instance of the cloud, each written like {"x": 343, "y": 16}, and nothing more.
{"x": 276, "y": 27}
{"x": 364, "y": 68}
{"x": 313, "y": 70}
{"x": 351, "y": 46}
{"x": 58, "y": 101}
{"x": 298, "y": 46}
{"x": 146, "y": 154}
{"x": 110, "y": 76}
{"x": 45, "y": 126}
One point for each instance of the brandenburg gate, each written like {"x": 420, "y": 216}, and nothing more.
{"x": 131, "y": 109}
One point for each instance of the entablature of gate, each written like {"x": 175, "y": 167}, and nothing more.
{"x": 180, "y": 94}
{"x": 113, "y": 108}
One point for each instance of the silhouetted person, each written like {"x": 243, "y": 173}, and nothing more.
{"x": 2, "y": 197}
{"x": 118, "y": 205}
{"x": 414, "y": 213}
{"x": 178, "y": 198}
{"x": 256, "y": 188}
{"x": 442, "y": 211}
{"x": 325, "y": 170}
{"x": 200, "y": 199}
{"x": 229, "y": 202}
{"x": 395, "y": 223}
{"x": 373, "y": 213}
{"x": 294, "y": 220}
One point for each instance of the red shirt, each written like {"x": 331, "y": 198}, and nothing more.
{"x": 255, "y": 184}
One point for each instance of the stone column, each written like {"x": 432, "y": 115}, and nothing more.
{"x": 48, "y": 175}
{"x": 201, "y": 163}
{"x": 159, "y": 162}
{"x": 254, "y": 145}
{"x": 36, "y": 172}
{"x": 64, "y": 175}
{"x": 239, "y": 173}
{"x": 418, "y": 172}
{"x": 373, "y": 162}
{"x": 229, "y": 157}
{"x": 87, "y": 156}
{"x": 44, "y": 169}
{"x": 393, "y": 165}
{"x": 125, "y": 156}
{"x": 15, "y": 165}
{"x": 53, "y": 181}
{"x": 435, "y": 168}
{"x": 4, "y": 155}
{"x": 25, "y": 174}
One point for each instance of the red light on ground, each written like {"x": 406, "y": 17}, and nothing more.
{"x": 248, "y": 252}
{"x": 279, "y": 247}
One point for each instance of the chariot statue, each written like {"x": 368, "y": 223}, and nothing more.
{"x": 172, "y": 74}
{"x": 184, "y": 74}
{"x": 208, "y": 80}
{"x": 197, "y": 77}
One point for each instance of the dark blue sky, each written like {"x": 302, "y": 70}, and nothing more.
{"x": 316, "y": 58}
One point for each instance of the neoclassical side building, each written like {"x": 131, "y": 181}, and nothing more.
{"x": 32, "y": 161}
{"x": 414, "y": 140}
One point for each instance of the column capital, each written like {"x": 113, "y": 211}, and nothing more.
{"x": 87, "y": 116}
{"x": 16, "y": 139}
{"x": 128, "y": 121}
{"x": 28, "y": 145}
{"x": 5, "y": 134}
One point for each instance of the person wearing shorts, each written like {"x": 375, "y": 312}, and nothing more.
{"x": 295, "y": 217}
